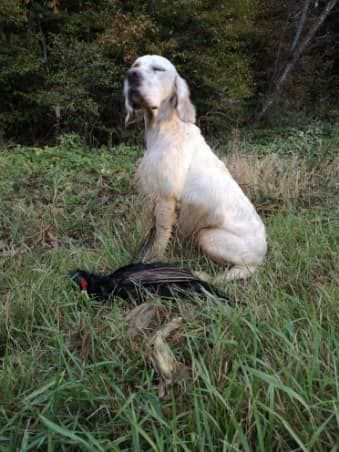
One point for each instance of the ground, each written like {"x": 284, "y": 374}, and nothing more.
{"x": 262, "y": 370}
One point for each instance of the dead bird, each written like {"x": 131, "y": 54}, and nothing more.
{"x": 134, "y": 281}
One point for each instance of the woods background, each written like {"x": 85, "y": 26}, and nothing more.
{"x": 62, "y": 63}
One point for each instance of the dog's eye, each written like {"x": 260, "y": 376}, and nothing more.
{"x": 158, "y": 69}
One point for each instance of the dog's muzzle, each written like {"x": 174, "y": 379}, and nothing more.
{"x": 134, "y": 96}
{"x": 133, "y": 91}
{"x": 134, "y": 78}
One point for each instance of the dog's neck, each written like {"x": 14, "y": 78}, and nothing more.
{"x": 161, "y": 121}
{"x": 164, "y": 113}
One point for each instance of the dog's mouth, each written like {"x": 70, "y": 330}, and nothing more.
{"x": 137, "y": 101}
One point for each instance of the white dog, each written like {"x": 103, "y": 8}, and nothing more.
{"x": 186, "y": 182}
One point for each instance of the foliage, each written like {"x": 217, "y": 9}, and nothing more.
{"x": 63, "y": 62}
{"x": 263, "y": 370}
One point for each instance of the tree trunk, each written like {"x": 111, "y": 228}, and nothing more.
{"x": 57, "y": 111}
{"x": 296, "y": 50}
{"x": 300, "y": 26}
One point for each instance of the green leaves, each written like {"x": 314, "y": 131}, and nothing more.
{"x": 76, "y": 56}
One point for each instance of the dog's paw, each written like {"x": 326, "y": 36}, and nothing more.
{"x": 203, "y": 276}
{"x": 236, "y": 272}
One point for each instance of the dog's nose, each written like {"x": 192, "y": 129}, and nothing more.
{"x": 133, "y": 77}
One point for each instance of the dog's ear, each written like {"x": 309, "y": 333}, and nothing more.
{"x": 184, "y": 106}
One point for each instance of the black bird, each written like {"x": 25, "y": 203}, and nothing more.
{"x": 135, "y": 280}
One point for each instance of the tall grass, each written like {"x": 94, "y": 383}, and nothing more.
{"x": 263, "y": 369}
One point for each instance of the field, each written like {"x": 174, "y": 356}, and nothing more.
{"x": 262, "y": 371}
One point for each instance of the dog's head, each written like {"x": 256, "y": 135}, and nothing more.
{"x": 152, "y": 83}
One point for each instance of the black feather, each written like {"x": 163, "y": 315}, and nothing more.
{"x": 135, "y": 280}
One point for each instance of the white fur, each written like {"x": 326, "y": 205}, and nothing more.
{"x": 179, "y": 172}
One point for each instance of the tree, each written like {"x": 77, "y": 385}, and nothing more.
{"x": 298, "y": 46}
{"x": 62, "y": 62}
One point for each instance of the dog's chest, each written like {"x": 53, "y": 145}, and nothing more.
{"x": 162, "y": 172}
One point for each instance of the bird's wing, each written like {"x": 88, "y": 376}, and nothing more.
{"x": 162, "y": 274}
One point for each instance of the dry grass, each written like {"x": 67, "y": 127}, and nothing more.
{"x": 282, "y": 177}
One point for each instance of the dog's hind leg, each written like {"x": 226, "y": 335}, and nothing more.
{"x": 227, "y": 248}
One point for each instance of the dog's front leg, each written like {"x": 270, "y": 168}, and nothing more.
{"x": 164, "y": 219}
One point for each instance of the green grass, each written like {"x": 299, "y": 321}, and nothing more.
{"x": 263, "y": 371}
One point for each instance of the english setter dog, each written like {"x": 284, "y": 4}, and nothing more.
{"x": 186, "y": 182}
